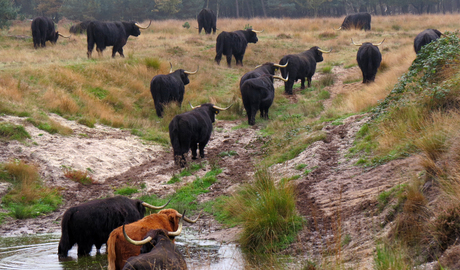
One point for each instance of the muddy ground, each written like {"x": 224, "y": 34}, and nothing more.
{"x": 336, "y": 197}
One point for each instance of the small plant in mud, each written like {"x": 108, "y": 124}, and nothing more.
{"x": 186, "y": 196}
{"x": 229, "y": 153}
{"x": 267, "y": 213}
{"x": 13, "y": 132}
{"x": 28, "y": 197}
{"x": 126, "y": 190}
{"x": 82, "y": 177}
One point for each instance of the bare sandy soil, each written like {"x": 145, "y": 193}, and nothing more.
{"x": 336, "y": 197}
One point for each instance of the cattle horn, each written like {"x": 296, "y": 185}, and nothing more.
{"x": 355, "y": 43}
{"x": 170, "y": 71}
{"x": 194, "y": 107}
{"x": 340, "y": 28}
{"x": 155, "y": 207}
{"x": 191, "y": 73}
{"x": 323, "y": 51}
{"x": 255, "y": 31}
{"x": 378, "y": 44}
{"x": 190, "y": 220}
{"x": 141, "y": 27}
{"x": 64, "y": 36}
{"x": 281, "y": 78}
{"x": 179, "y": 229}
{"x": 222, "y": 109}
{"x": 282, "y": 66}
{"x": 135, "y": 242}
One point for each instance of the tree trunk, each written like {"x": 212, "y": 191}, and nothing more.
{"x": 237, "y": 9}
{"x": 263, "y": 8}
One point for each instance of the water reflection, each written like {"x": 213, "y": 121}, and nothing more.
{"x": 40, "y": 252}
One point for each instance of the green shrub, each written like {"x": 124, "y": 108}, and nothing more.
{"x": 266, "y": 212}
{"x": 126, "y": 191}
{"x": 152, "y": 62}
{"x": 13, "y": 132}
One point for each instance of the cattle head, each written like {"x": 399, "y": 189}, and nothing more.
{"x": 367, "y": 43}
{"x": 153, "y": 236}
{"x": 183, "y": 74}
{"x": 212, "y": 109}
{"x": 318, "y": 53}
{"x": 251, "y": 35}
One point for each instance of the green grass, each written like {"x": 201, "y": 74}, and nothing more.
{"x": 13, "y": 132}
{"x": 126, "y": 191}
{"x": 267, "y": 213}
{"x": 28, "y": 197}
{"x": 185, "y": 197}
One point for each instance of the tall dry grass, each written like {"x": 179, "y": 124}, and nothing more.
{"x": 60, "y": 78}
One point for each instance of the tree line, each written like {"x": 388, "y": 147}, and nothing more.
{"x": 184, "y": 9}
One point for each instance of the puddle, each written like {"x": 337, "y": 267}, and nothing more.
{"x": 40, "y": 252}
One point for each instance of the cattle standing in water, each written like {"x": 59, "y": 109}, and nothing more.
{"x": 360, "y": 20}
{"x": 114, "y": 34}
{"x": 119, "y": 250}
{"x": 157, "y": 251}
{"x": 369, "y": 59}
{"x": 425, "y": 37}
{"x": 189, "y": 129}
{"x": 207, "y": 20}
{"x": 267, "y": 68}
{"x": 258, "y": 94}
{"x": 79, "y": 225}
{"x": 43, "y": 31}
{"x": 168, "y": 88}
{"x": 234, "y": 43}
{"x": 300, "y": 66}
{"x": 79, "y": 28}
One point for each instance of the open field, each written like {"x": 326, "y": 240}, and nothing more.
{"x": 306, "y": 140}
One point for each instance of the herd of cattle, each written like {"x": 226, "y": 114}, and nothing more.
{"x": 117, "y": 221}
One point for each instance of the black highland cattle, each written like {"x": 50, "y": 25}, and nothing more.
{"x": 267, "y": 68}
{"x": 43, "y": 31}
{"x": 207, "y": 20}
{"x": 103, "y": 34}
{"x": 360, "y": 20}
{"x": 79, "y": 28}
{"x": 92, "y": 222}
{"x": 168, "y": 88}
{"x": 425, "y": 37}
{"x": 234, "y": 43}
{"x": 258, "y": 94}
{"x": 369, "y": 59}
{"x": 190, "y": 129}
{"x": 301, "y": 66}
{"x": 157, "y": 251}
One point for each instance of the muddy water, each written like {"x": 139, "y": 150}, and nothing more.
{"x": 40, "y": 252}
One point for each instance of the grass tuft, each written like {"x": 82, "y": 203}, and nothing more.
{"x": 13, "y": 132}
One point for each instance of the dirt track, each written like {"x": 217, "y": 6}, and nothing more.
{"x": 336, "y": 197}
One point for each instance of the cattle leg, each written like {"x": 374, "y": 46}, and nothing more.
{"x": 202, "y": 145}
{"x": 309, "y": 82}
{"x": 288, "y": 87}
{"x": 83, "y": 249}
{"x": 193, "y": 147}
{"x": 302, "y": 83}
{"x": 229, "y": 60}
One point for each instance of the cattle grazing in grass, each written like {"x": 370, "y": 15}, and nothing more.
{"x": 43, "y": 31}
{"x": 79, "y": 28}
{"x": 234, "y": 43}
{"x": 92, "y": 222}
{"x": 369, "y": 59}
{"x": 258, "y": 94}
{"x": 360, "y": 20}
{"x": 267, "y": 68}
{"x": 301, "y": 66}
{"x": 119, "y": 250}
{"x": 190, "y": 129}
{"x": 157, "y": 251}
{"x": 425, "y": 37}
{"x": 114, "y": 34}
{"x": 168, "y": 88}
{"x": 207, "y": 20}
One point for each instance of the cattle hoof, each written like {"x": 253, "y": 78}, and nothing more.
{"x": 194, "y": 158}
